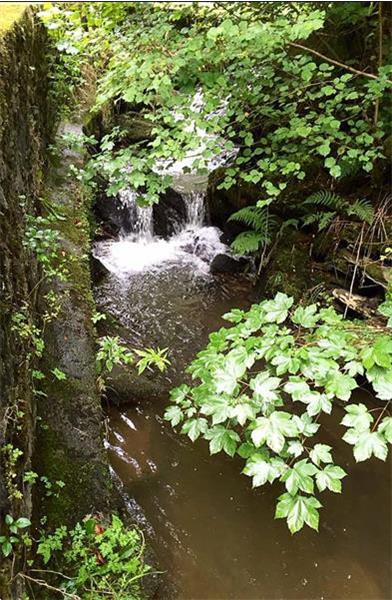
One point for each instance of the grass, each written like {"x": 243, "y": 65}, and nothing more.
{"x": 10, "y": 12}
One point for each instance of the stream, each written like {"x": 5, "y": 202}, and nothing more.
{"x": 214, "y": 536}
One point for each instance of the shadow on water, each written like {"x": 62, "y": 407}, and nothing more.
{"x": 216, "y": 536}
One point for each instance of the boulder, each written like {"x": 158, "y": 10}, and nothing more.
{"x": 224, "y": 263}
{"x": 112, "y": 214}
{"x": 168, "y": 214}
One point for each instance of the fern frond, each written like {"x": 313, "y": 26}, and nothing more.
{"x": 252, "y": 216}
{"x": 362, "y": 209}
{"x": 323, "y": 219}
{"x": 248, "y": 241}
{"x": 328, "y": 199}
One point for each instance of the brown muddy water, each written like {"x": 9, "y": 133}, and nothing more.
{"x": 216, "y": 537}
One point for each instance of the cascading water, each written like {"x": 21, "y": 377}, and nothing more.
{"x": 140, "y": 217}
{"x": 137, "y": 249}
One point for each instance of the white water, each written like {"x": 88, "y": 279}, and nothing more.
{"x": 194, "y": 243}
{"x": 139, "y": 250}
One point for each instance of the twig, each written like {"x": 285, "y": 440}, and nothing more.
{"x": 335, "y": 62}
{"x": 49, "y": 587}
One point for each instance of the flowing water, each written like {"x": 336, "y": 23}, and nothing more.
{"x": 217, "y": 538}
{"x": 214, "y": 536}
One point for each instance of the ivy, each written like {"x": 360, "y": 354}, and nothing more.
{"x": 261, "y": 385}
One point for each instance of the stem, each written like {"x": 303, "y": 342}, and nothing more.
{"x": 380, "y": 415}
{"x": 335, "y": 62}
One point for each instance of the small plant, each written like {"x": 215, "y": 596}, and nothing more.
{"x": 8, "y": 541}
{"x": 264, "y": 383}
{"x": 152, "y": 358}
{"x": 112, "y": 353}
{"x": 99, "y": 560}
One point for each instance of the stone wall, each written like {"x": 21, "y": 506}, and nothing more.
{"x": 57, "y": 433}
{"x": 26, "y": 125}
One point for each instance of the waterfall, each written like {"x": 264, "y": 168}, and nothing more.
{"x": 140, "y": 225}
{"x": 195, "y": 209}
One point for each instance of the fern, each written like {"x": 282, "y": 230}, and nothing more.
{"x": 262, "y": 223}
{"x": 247, "y": 242}
{"x": 362, "y": 209}
{"x": 251, "y": 216}
{"x": 327, "y": 199}
{"x": 322, "y": 219}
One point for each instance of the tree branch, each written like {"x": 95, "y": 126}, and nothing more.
{"x": 334, "y": 62}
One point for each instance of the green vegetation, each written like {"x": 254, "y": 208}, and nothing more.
{"x": 303, "y": 122}
{"x": 264, "y": 385}
{"x": 98, "y": 560}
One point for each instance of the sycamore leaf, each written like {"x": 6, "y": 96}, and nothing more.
{"x": 306, "y": 317}
{"x": 194, "y": 428}
{"x": 385, "y": 428}
{"x": 330, "y": 478}
{"x": 173, "y": 414}
{"x": 321, "y": 453}
{"x": 298, "y": 510}
{"x": 368, "y": 444}
{"x": 357, "y": 417}
{"x": 300, "y": 477}
{"x": 222, "y": 439}
{"x": 276, "y": 310}
{"x": 341, "y": 385}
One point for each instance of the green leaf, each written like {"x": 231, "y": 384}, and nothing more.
{"x": 300, "y": 477}
{"x": 306, "y": 317}
{"x": 298, "y": 510}
{"x": 6, "y": 548}
{"x": 242, "y": 412}
{"x": 262, "y": 470}
{"x": 369, "y": 444}
{"x": 272, "y": 430}
{"x": 340, "y": 386}
{"x": 385, "y": 428}
{"x": 357, "y": 417}
{"x": 173, "y": 414}
{"x": 277, "y": 309}
{"x": 330, "y": 478}
{"x": 321, "y": 453}
{"x": 194, "y": 428}
{"x": 22, "y": 522}
{"x": 222, "y": 439}
{"x": 264, "y": 386}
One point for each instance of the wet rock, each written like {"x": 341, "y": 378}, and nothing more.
{"x": 223, "y": 263}
{"x": 97, "y": 269}
{"x": 168, "y": 214}
{"x": 112, "y": 214}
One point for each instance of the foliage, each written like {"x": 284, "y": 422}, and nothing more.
{"x": 43, "y": 239}
{"x": 360, "y": 209}
{"x": 111, "y": 352}
{"x": 262, "y": 224}
{"x": 150, "y": 357}
{"x": 11, "y": 538}
{"x": 267, "y": 102}
{"x": 98, "y": 560}
{"x": 264, "y": 383}
{"x": 385, "y": 308}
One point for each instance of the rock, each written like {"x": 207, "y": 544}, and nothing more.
{"x": 97, "y": 269}
{"x": 112, "y": 214}
{"x": 223, "y": 263}
{"x": 135, "y": 127}
{"x": 169, "y": 213}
